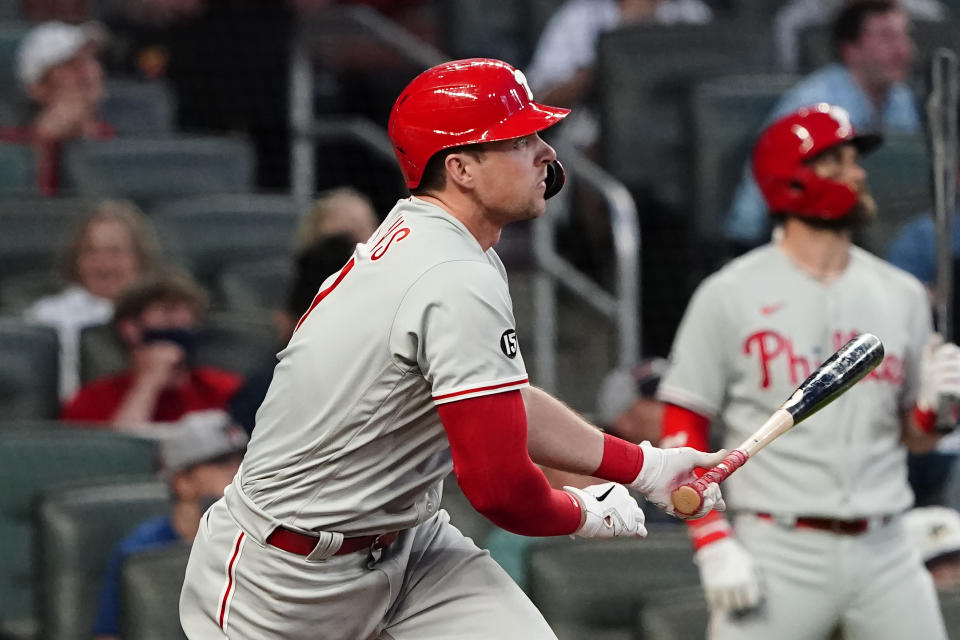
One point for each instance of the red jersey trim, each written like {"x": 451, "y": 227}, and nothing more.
{"x": 325, "y": 292}
{"x": 481, "y": 391}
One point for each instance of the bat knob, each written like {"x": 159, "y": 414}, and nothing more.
{"x": 686, "y": 500}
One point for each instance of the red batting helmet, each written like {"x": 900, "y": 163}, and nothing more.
{"x": 779, "y": 162}
{"x": 463, "y": 102}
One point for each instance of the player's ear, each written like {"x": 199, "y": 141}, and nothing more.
{"x": 459, "y": 169}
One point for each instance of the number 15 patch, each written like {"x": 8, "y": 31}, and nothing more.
{"x": 509, "y": 344}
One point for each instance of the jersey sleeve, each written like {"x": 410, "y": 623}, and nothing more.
{"x": 696, "y": 379}
{"x": 460, "y": 317}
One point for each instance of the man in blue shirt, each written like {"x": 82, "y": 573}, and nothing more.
{"x": 874, "y": 52}
{"x": 200, "y": 458}
{"x": 914, "y": 248}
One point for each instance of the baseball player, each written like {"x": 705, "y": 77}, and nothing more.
{"x": 406, "y": 366}
{"x": 818, "y": 543}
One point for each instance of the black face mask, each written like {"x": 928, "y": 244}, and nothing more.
{"x": 186, "y": 339}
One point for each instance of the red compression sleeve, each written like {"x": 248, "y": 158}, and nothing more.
{"x": 684, "y": 428}
{"x": 488, "y": 440}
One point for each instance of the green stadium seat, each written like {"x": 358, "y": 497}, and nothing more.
{"x": 79, "y": 528}
{"x": 32, "y": 462}
{"x": 11, "y": 32}
{"x": 950, "y": 607}
{"x": 28, "y": 377}
{"x": 815, "y": 50}
{"x": 602, "y": 584}
{"x": 150, "y": 594}
{"x": 138, "y": 108}
{"x": 17, "y": 170}
{"x": 644, "y": 77}
{"x": 898, "y": 174}
{"x": 728, "y": 112}
{"x": 233, "y": 342}
{"x": 149, "y": 169}
{"x": 208, "y": 233}
{"x": 675, "y": 614}
{"x": 257, "y": 285}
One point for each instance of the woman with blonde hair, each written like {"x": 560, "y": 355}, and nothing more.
{"x": 113, "y": 246}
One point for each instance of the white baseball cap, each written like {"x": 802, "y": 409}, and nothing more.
{"x": 198, "y": 437}
{"x": 53, "y": 43}
{"x": 934, "y": 531}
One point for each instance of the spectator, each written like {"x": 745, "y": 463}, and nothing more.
{"x": 157, "y": 319}
{"x": 797, "y": 15}
{"x": 199, "y": 458}
{"x": 561, "y": 70}
{"x": 914, "y": 248}
{"x": 314, "y": 264}
{"x": 58, "y": 69}
{"x": 627, "y": 406}
{"x": 935, "y": 532}
{"x": 874, "y": 51}
{"x": 340, "y": 210}
{"x": 113, "y": 246}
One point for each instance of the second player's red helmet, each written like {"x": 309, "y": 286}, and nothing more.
{"x": 463, "y": 102}
{"x": 780, "y": 155}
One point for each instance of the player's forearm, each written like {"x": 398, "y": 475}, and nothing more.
{"x": 559, "y": 438}
{"x": 138, "y": 405}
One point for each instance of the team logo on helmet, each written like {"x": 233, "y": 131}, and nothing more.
{"x": 509, "y": 344}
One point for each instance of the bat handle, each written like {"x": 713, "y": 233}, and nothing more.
{"x": 687, "y": 498}
{"x": 948, "y": 413}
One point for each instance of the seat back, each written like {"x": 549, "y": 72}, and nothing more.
{"x": 674, "y": 614}
{"x": 728, "y": 113}
{"x": 17, "y": 170}
{"x": 603, "y": 583}
{"x": 34, "y": 461}
{"x": 150, "y": 594}
{"x": 79, "y": 528}
{"x": 257, "y": 285}
{"x": 644, "y": 76}
{"x": 11, "y": 32}
{"x": 137, "y": 108}
{"x": 149, "y": 169}
{"x": 28, "y": 377}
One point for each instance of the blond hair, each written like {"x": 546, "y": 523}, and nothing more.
{"x": 142, "y": 235}
{"x": 326, "y": 217}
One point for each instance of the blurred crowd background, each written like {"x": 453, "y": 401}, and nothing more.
{"x": 178, "y": 177}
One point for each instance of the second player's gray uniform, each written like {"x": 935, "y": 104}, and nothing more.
{"x": 751, "y": 334}
{"x": 348, "y": 443}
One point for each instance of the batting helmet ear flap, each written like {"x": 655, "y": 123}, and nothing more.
{"x": 555, "y": 179}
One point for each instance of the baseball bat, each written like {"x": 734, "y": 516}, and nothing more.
{"x": 942, "y": 129}
{"x": 842, "y": 370}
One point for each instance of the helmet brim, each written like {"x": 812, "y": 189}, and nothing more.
{"x": 533, "y": 118}
{"x": 866, "y": 142}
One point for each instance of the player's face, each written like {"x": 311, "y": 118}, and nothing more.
{"x": 510, "y": 178}
{"x": 842, "y": 164}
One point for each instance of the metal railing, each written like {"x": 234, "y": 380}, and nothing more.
{"x": 622, "y": 307}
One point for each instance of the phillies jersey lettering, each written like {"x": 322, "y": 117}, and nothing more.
{"x": 356, "y": 445}
{"x": 755, "y": 330}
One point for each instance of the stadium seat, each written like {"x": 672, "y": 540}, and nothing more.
{"x": 79, "y": 528}
{"x": 898, "y": 174}
{"x": 644, "y": 76}
{"x": 11, "y": 31}
{"x": 208, "y": 233}
{"x": 601, "y": 584}
{"x": 950, "y": 607}
{"x": 257, "y": 285}
{"x": 17, "y": 176}
{"x": 675, "y": 614}
{"x": 138, "y": 108}
{"x": 150, "y": 594}
{"x": 815, "y": 50}
{"x": 150, "y": 169}
{"x": 727, "y": 112}
{"x": 32, "y": 462}
{"x": 233, "y": 342}
{"x": 28, "y": 377}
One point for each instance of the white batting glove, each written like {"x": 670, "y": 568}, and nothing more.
{"x": 729, "y": 576}
{"x": 609, "y": 512}
{"x": 664, "y": 470}
{"x": 939, "y": 372}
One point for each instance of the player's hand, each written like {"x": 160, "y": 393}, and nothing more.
{"x": 939, "y": 372}
{"x": 729, "y": 576}
{"x": 665, "y": 469}
{"x": 609, "y": 511}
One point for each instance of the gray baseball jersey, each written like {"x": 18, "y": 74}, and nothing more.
{"x": 348, "y": 438}
{"x": 754, "y": 331}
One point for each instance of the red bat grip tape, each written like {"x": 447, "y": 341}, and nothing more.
{"x": 688, "y": 498}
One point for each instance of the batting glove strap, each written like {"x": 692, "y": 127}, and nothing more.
{"x": 665, "y": 469}
{"x": 609, "y": 512}
{"x": 729, "y": 576}
{"x": 939, "y": 372}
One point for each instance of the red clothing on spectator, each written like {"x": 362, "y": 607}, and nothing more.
{"x": 208, "y": 388}
{"x": 48, "y": 156}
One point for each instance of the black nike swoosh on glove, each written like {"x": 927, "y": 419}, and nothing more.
{"x": 603, "y": 495}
